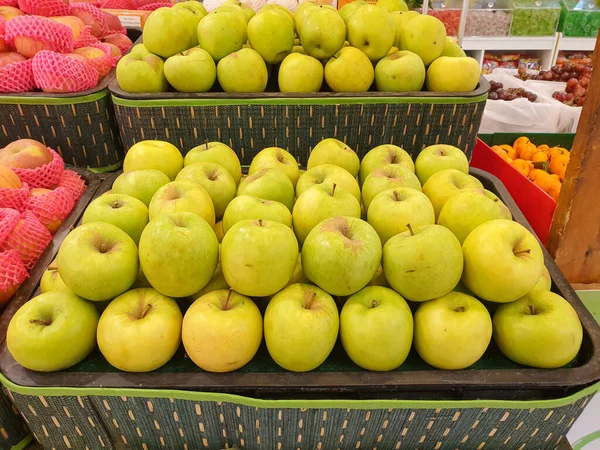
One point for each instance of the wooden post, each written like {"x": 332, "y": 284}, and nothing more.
{"x": 574, "y": 239}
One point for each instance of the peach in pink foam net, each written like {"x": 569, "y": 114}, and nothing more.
{"x": 92, "y": 16}
{"x": 48, "y": 8}
{"x": 86, "y": 38}
{"x": 105, "y": 63}
{"x": 73, "y": 183}
{"x": 46, "y": 176}
{"x": 51, "y": 208}
{"x": 46, "y": 34}
{"x": 12, "y": 270}
{"x": 55, "y": 72}
{"x": 17, "y": 77}
{"x": 28, "y": 237}
{"x": 14, "y": 198}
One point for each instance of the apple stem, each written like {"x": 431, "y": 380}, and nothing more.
{"x": 532, "y": 310}
{"x": 373, "y": 303}
{"x": 459, "y": 309}
{"x": 523, "y": 251}
{"x": 206, "y": 143}
{"x": 396, "y": 196}
{"x": 260, "y": 222}
{"x": 40, "y": 322}
{"x": 103, "y": 248}
{"x": 412, "y": 233}
{"x": 310, "y": 301}
{"x": 146, "y": 311}
{"x": 333, "y": 189}
{"x": 226, "y": 305}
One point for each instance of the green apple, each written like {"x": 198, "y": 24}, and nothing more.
{"x": 245, "y": 207}
{"x": 197, "y": 8}
{"x": 322, "y": 32}
{"x": 543, "y": 284}
{"x": 269, "y": 184}
{"x": 341, "y": 255}
{"x": 301, "y": 11}
{"x": 453, "y": 74}
{"x": 141, "y": 184}
{"x": 258, "y": 257}
{"x": 376, "y": 328}
{"x": 381, "y": 156}
{"x": 371, "y": 30}
{"x": 141, "y": 71}
{"x": 217, "y": 181}
{"x": 424, "y": 35}
{"x": 277, "y": 7}
{"x": 52, "y": 332}
{"x": 182, "y": 196}
{"x": 271, "y": 34}
{"x": 301, "y": 327}
{"x": 243, "y": 71}
{"x": 216, "y": 283}
{"x": 328, "y": 174}
{"x": 191, "y": 71}
{"x": 246, "y": 10}
{"x": 349, "y": 70}
{"x": 392, "y": 5}
{"x": 300, "y": 73}
{"x": 298, "y": 274}
{"x": 348, "y": 9}
{"x": 221, "y": 33}
{"x": 178, "y": 253}
{"x": 159, "y": 155}
{"x": 400, "y": 18}
{"x": 444, "y": 184}
{"x": 452, "y": 332}
{"x": 51, "y": 280}
{"x": 391, "y": 210}
{"x": 125, "y": 212}
{"x": 401, "y": 71}
{"x": 300, "y": 50}
{"x": 451, "y": 48}
{"x": 140, "y": 330}
{"x": 469, "y": 208}
{"x": 321, "y": 202}
{"x": 278, "y": 159}
{"x": 222, "y": 331}
{"x": 168, "y": 31}
{"x": 98, "y": 261}
{"x": 336, "y": 152}
{"x": 540, "y": 330}
{"x": 218, "y": 153}
{"x": 436, "y": 158}
{"x": 387, "y": 177}
{"x": 503, "y": 261}
{"x": 423, "y": 263}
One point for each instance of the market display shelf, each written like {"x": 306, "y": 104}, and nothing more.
{"x": 575, "y": 43}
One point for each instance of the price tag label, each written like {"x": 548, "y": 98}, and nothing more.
{"x": 131, "y": 21}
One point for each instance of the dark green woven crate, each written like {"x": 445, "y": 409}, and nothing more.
{"x": 14, "y": 434}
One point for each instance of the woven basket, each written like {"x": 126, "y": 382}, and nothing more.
{"x": 14, "y": 434}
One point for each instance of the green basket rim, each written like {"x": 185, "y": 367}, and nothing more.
{"x": 35, "y": 100}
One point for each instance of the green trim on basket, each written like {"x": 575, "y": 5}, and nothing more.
{"x": 106, "y": 169}
{"x": 23, "y": 444}
{"x": 585, "y": 440}
{"x": 24, "y": 100}
{"x": 295, "y": 404}
{"x": 295, "y": 101}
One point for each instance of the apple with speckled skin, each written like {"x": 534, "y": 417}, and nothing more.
{"x": 336, "y": 152}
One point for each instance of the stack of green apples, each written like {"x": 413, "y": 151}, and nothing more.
{"x": 380, "y": 235}
{"x": 362, "y": 45}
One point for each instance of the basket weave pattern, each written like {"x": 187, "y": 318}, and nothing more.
{"x": 12, "y": 428}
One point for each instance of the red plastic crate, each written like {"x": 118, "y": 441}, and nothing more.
{"x": 537, "y": 206}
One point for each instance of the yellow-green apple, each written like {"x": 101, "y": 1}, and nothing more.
{"x": 453, "y": 74}
{"x": 169, "y": 31}
{"x": 424, "y": 35}
{"x": 278, "y": 159}
{"x": 98, "y": 261}
{"x": 469, "y": 208}
{"x": 298, "y": 274}
{"x": 247, "y": 207}
{"x": 348, "y": 9}
{"x": 391, "y": 210}
{"x": 183, "y": 196}
{"x": 376, "y": 328}
{"x": 321, "y": 202}
{"x": 503, "y": 261}
{"x": 178, "y": 253}
{"x": 219, "y": 230}
{"x": 159, "y": 155}
{"x": 193, "y": 70}
{"x": 300, "y": 73}
{"x": 52, "y": 332}
{"x": 293, "y": 320}
{"x": 540, "y": 330}
{"x": 221, "y": 33}
{"x": 251, "y": 263}
{"x": 222, "y": 331}
{"x": 218, "y": 153}
{"x": 381, "y": 156}
{"x": 216, "y": 283}
{"x": 423, "y": 263}
{"x": 451, "y": 48}
{"x": 197, "y": 8}
{"x": 246, "y": 9}
{"x": 277, "y": 7}
{"x": 341, "y": 255}
{"x": 336, "y": 152}
{"x": 234, "y": 7}
{"x": 301, "y": 11}
{"x": 140, "y": 330}
{"x": 51, "y": 280}
{"x": 10, "y": 12}
{"x": 400, "y": 18}
{"x": 74, "y": 23}
{"x": 9, "y": 179}
{"x": 271, "y": 34}
{"x": 322, "y": 32}
{"x": 141, "y": 184}
{"x": 401, "y": 71}
{"x": 217, "y": 181}
{"x": 349, "y": 70}
{"x": 141, "y": 71}
{"x": 328, "y": 174}
{"x": 25, "y": 154}
{"x": 392, "y": 5}
{"x": 243, "y": 71}
{"x": 545, "y": 281}
{"x": 379, "y": 278}
{"x": 452, "y": 332}
{"x": 123, "y": 211}
{"x": 269, "y": 184}
{"x": 436, "y": 158}
{"x": 371, "y": 30}
{"x": 387, "y": 177}
{"x": 444, "y": 184}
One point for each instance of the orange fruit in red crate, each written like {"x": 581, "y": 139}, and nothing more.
{"x": 525, "y": 167}
{"x": 543, "y": 148}
{"x": 550, "y": 186}
{"x": 539, "y": 156}
{"x": 8, "y": 179}
{"x": 557, "y": 151}
{"x": 502, "y": 153}
{"x": 520, "y": 143}
{"x": 538, "y": 173}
